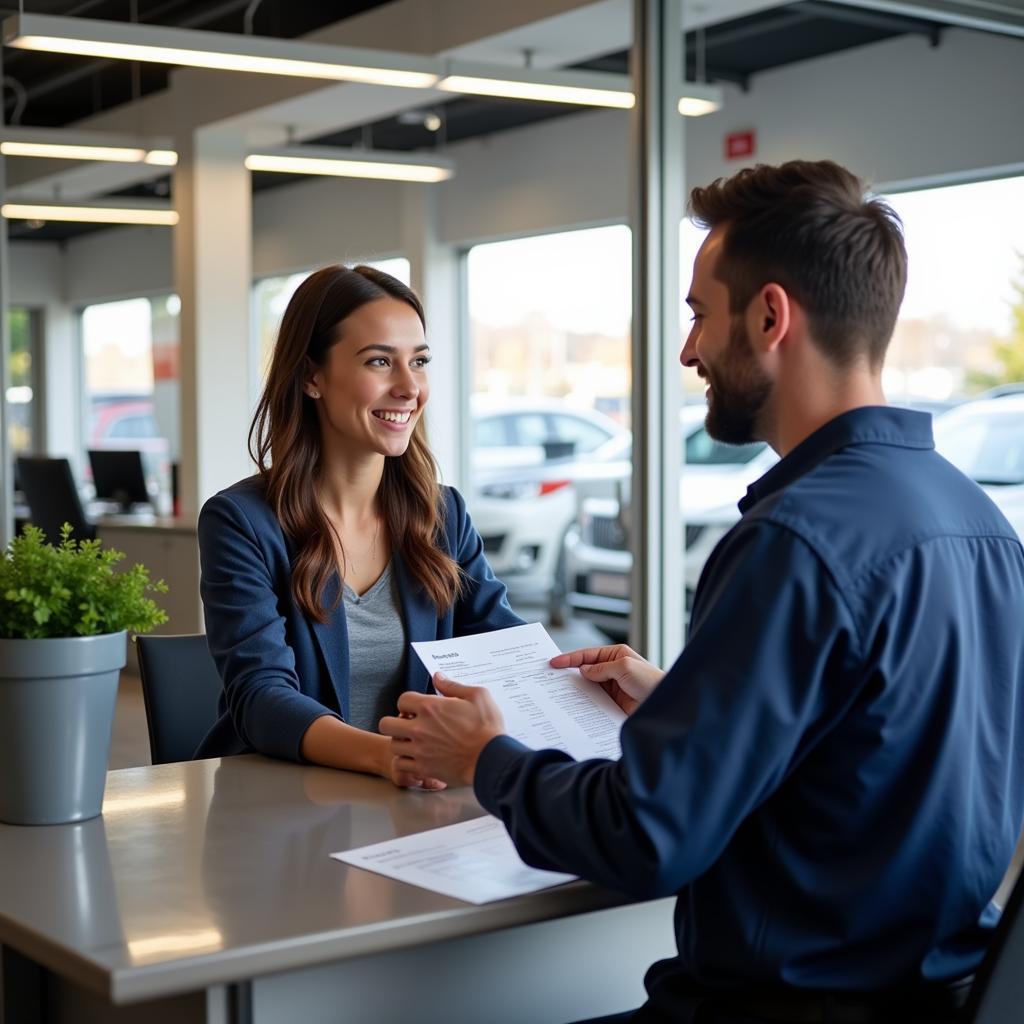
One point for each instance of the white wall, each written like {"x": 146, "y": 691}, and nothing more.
{"x": 328, "y": 220}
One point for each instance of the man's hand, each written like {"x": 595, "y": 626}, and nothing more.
{"x": 626, "y": 677}
{"x": 441, "y": 737}
{"x": 405, "y": 779}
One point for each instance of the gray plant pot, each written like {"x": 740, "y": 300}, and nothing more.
{"x": 57, "y": 699}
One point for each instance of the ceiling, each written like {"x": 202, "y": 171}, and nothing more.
{"x": 53, "y": 90}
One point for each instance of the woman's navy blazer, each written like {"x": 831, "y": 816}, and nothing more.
{"x": 282, "y": 670}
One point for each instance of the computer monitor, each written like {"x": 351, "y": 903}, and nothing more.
{"x": 119, "y": 476}
{"x": 52, "y": 497}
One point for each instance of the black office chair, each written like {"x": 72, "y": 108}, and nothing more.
{"x": 52, "y": 498}
{"x": 180, "y": 687}
{"x": 997, "y": 995}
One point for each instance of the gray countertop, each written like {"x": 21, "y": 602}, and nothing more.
{"x": 214, "y": 871}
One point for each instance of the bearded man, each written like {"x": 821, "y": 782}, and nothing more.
{"x": 830, "y": 775}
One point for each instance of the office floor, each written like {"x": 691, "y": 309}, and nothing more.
{"x": 129, "y": 746}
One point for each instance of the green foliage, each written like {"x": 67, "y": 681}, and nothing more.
{"x": 1010, "y": 353}
{"x": 71, "y": 589}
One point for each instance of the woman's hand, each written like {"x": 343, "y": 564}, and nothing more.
{"x": 403, "y": 776}
{"x": 626, "y": 677}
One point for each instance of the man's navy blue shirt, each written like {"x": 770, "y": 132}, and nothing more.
{"x": 830, "y": 775}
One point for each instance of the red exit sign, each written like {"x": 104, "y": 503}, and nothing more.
{"x": 739, "y": 145}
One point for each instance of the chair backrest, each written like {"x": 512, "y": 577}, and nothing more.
{"x": 181, "y": 687}
{"x": 52, "y": 498}
{"x": 997, "y": 995}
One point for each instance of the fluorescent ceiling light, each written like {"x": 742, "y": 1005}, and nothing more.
{"x": 586, "y": 88}
{"x": 699, "y": 99}
{"x": 124, "y": 212}
{"x": 61, "y": 144}
{"x": 90, "y": 37}
{"x": 162, "y": 157}
{"x": 60, "y": 151}
{"x": 348, "y": 163}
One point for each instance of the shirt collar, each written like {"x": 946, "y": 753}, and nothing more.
{"x": 870, "y": 424}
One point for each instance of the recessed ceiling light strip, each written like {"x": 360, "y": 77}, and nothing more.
{"x": 335, "y": 162}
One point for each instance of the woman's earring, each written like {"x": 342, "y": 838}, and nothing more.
{"x": 314, "y": 394}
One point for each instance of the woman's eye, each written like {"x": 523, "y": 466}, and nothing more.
{"x": 421, "y": 362}
{"x": 377, "y": 361}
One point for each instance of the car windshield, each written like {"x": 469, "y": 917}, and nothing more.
{"x": 989, "y": 448}
{"x": 703, "y": 450}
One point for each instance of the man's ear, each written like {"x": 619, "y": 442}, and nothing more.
{"x": 769, "y": 316}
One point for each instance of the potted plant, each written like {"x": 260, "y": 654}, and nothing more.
{"x": 64, "y": 617}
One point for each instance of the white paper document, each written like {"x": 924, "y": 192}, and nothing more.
{"x": 543, "y": 707}
{"x": 473, "y": 861}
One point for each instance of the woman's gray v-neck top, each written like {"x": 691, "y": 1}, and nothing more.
{"x": 376, "y": 651}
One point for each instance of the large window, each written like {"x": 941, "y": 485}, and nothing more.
{"x": 22, "y": 407}
{"x": 961, "y": 327}
{"x": 550, "y": 352}
{"x": 131, "y": 385}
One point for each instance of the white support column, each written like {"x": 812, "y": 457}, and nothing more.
{"x": 212, "y": 269}
{"x": 61, "y": 375}
{"x": 656, "y": 629}
{"x": 436, "y": 277}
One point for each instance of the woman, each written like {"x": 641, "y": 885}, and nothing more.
{"x": 319, "y": 571}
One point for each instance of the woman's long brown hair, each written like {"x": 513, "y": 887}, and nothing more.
{"x": 284, "y": 441}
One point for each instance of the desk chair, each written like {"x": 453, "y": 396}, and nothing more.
{"x": 52, "y": 497}
{"x": 180, "y": 687}
{"x": 997, "y": 995}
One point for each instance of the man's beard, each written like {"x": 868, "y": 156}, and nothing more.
{"x": 739, "y": 390}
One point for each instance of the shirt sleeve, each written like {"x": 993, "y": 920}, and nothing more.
{"x": 745, "y": 701}
{"x": 246, "y": 635}
{"x": 483, "y": 604}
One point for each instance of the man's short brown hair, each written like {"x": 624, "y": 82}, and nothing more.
{"x": 810, "y": 227}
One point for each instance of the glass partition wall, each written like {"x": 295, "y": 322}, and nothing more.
{"x": 131, "y": 382}
{"x": 549, "y": 321}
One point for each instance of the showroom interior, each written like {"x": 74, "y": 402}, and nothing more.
{"x": 546, "y": 238}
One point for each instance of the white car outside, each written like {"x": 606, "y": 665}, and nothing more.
{"x": 985, "y": 440}
{"x": 523, "y": 513}
{"x": 597, "y": 562}
{"x": 511, "y": 432}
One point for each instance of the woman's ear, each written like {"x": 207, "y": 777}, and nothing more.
{"x": 313, "y": 384}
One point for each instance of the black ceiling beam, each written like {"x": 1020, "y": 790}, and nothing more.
{"x": 94, "y": 66}
{"x": 753, "y": 27}
{"x": 895, "y": 23}
{"x": 717, "y": 74}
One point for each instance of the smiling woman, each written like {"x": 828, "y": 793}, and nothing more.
{"x": 318, "y": 571}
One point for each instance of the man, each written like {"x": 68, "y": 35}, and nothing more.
{"x": 830, "y": 774}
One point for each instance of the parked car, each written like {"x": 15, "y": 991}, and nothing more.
{"x": 529, "y": 432}
{"x": 985, "y": 440}
{"x": 597, "y": 563}
{"x": 523, "y": 513}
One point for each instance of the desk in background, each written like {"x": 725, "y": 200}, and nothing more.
{"x": 169, "y": 548}
{"x": 206, "y": 892}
